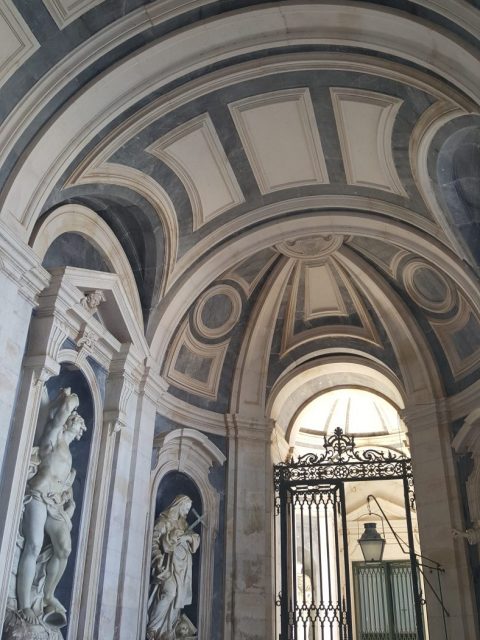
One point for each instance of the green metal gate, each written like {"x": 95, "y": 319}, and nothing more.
{"x": 384, "y": 601}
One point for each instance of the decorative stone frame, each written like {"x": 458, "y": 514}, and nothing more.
{"x": 194, "y": 454}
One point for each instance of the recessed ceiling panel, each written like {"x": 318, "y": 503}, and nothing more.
{"x": 280, "y": 136}
{"x": 322, "y": 295}
{"x": 66, "y": 11}
{"x": 365, "y": 122}
{"x": 17, "y": 42}
{"x": 195, "y": 153}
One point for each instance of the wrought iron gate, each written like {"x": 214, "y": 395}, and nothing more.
{"x": 315, "y": 595}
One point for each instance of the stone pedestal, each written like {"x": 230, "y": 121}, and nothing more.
{"x": 15, "y": 628}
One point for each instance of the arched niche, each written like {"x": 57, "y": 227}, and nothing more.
{"x": 82, "y": 381}
{"x": 189, "y": 456}
{"x": 176, "y": 483}
{"x": 72, "y": 377}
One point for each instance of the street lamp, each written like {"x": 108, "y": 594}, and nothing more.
{"x": 371, "y": 543}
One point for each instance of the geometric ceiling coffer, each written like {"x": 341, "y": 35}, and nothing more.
{"x": 194, "y": 152}
{"x": 17, "y": 41}
{"x": 310, "y": 248}
{"x": 365, "y": 122}
{"x": 460, "y": 339}
{"x": 322, "y": 294}
{"x": 66, "y": 11}
{"x": 428, "y": 287}
{"x": 193, "y": 366}
{"x": 217, "y": 311}
{"x": 280, "y": 137}
{"x": 322, "y": 302}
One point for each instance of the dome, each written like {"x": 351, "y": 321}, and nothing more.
{"x": 355, "y": 411}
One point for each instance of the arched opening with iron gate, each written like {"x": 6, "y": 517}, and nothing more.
{"x": 348, "y": 475}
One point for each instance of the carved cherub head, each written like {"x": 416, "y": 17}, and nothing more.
{"x": 92, "y": 300}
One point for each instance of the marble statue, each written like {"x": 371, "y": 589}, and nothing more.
{"x": 45, "y": 538}
{"x": 174, "y": 543}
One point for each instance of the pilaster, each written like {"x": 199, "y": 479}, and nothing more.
{"x": 249, "y": 586}
{"x": 22, "y": 278}
{"x": 438, "y": 512}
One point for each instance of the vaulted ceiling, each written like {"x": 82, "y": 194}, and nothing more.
{"x": 304, "y": 170}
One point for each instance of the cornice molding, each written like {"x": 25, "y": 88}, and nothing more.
{"x": 21, "y": 265}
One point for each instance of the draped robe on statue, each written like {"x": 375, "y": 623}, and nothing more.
{"x": 172, "y": 549}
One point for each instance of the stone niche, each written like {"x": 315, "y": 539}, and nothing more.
{"x": 71, "y": 378}
{"x": 173, "y": 484}
{"x": 189, "y": 463}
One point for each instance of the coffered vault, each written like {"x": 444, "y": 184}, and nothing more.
{"x": 277, "y": 189}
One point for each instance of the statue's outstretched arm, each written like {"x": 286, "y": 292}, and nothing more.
{"x": 62, "y": 407}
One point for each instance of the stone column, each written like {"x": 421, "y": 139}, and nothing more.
{"x": 438, "y": 512}
{"x": 22, "y": 278}
{"x": 249, "y": 576}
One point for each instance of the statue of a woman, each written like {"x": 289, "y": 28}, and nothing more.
{"x": 171, "y": 569}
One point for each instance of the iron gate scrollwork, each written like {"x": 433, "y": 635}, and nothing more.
{"x": 315, "y": 596}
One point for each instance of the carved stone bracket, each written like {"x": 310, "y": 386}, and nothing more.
{"x": 116, "y": 419}
{"x": 86, "y": 341}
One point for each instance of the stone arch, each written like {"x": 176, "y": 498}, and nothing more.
{"x": 79, "y": 219}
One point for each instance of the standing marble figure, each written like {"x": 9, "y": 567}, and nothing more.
{"x": 171, "y": 569}
{"x": 47, "y": 515}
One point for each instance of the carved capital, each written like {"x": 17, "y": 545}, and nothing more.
{"x": 21, "y": 265}
{"x": 114, "y": 420}
{"x": 87, "y": 338}
{"x": 43, "y": 368}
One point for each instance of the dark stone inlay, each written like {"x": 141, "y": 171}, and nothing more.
{"x": 216, "y": 311}
{"x": 430, "y": 285}
{"x": 73, "y": 250}
{"x": 193, "y": 365}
